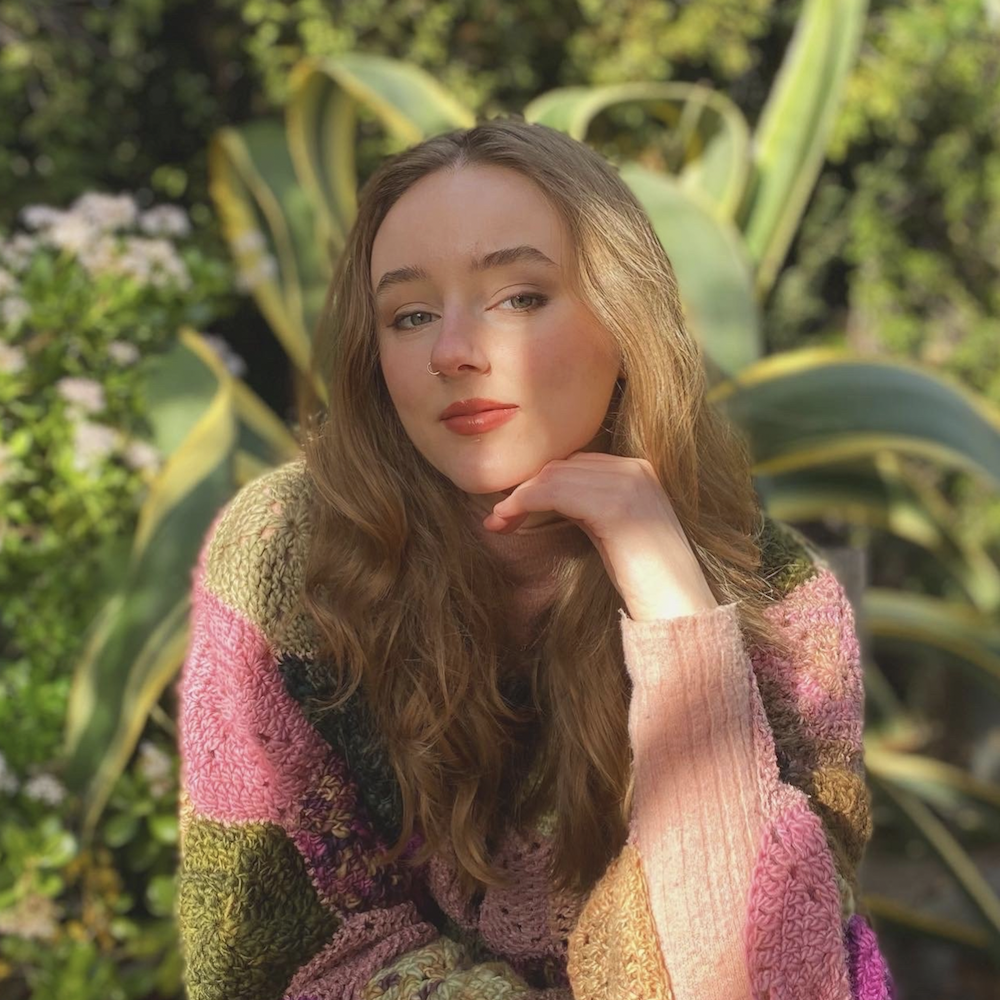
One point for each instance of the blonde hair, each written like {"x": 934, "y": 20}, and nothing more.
{"x": 410, "y": 605}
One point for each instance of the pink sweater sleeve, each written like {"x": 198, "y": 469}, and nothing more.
{"x": 730, "y": 862}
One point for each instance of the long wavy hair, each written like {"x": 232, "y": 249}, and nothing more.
{"x": 411, "y": 606}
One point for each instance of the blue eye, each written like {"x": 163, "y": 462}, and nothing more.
{"x": 538, "y": 297}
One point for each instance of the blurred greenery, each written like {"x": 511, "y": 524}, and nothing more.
{"x": 896, "y": 255}
{"x": 90, "y": 297}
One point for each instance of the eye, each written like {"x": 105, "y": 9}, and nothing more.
{"x": 397, "y": 323}
{"x": 538, "y": 298}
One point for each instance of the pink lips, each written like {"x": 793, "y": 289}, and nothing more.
{"x": 464, "y": 407}
{"x": 479, "y": 423}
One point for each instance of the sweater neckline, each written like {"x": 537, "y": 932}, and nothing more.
{"x": 531, "y": 554}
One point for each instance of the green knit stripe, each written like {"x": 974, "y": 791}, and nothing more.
{"x": 350, "y": 730}
{"x": 257, "y": 554}
{"x": 247, "y": 911}
{"x": 444, "y": 969}
{"x": 788, "y": 558}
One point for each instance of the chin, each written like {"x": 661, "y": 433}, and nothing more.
{"x": 481, "y": 482}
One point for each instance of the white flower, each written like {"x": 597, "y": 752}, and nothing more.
{"x": 8, "y": 283}
{"x": 150, "y": 261}
{"x": 233, "y": 362}
{"x": 252, "y": 241}
{"x": 71, "y": 232}
{"x": 40, "y": 216}
{"x": 164, "y": 261}
{"x": 16, "y": 252}
{"x": 165, "y": 220}
{"x": 83, "y": 393}
{"x": 8, "y": 781}
{"x": 34, "y": 916}
{"x": 263, "y": 269}
{"x": 123, "y": 353}
{"x": 13, "y": 310}
{"x": 100, "y": 256}
{"x": 11, "y": 359}
{"x": 106, "y": 212}
{"x": 140, "y": 455}
{"x": 92, "y": 444}
{"x": 44, "y": 788}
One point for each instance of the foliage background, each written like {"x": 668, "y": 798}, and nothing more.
{"x": 898, "y": 253}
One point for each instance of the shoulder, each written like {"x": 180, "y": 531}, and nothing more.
{"x": 253, "y": 558}
{"x": 787, "y": 557}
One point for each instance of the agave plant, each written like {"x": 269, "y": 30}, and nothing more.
{"x": 829, "y": 432}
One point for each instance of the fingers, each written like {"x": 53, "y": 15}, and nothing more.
{"x": 503, "y": 525}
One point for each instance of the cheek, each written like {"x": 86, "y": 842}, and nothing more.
{"x": 398, "y": 379}
{"x": 573, "y": 366}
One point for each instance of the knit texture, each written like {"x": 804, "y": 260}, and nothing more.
{"x": 739, "y": 877}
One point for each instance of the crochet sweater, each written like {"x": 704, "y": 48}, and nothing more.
{"x": 749, "y": 819}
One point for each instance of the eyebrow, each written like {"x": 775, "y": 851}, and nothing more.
{"x": 495, "y": 258}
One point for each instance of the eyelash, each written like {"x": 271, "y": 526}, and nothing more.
{"x": 540, "y": 298}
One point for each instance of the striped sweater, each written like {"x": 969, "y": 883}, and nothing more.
{"x": 749, "y": 819}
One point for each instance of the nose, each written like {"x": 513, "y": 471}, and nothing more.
{"x": 458, "y": 348}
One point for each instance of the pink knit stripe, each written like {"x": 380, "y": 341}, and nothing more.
{"x": 363, "y": 944}
{"x": 442, "y": 883}
{"x": 247, "y": 751}
{"x": 515, "y": 921}
{"x": 795, "y": 945}
{"x": 823, "y": 684}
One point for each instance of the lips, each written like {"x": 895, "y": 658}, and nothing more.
{"x": 465, "y": 407}
{"x": 475, "y": 424}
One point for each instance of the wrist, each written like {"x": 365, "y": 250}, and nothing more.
{"x": 671, "y": 609}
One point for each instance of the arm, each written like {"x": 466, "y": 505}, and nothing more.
{"x": 278, "y": 896}
{"x": 728, "y": 886}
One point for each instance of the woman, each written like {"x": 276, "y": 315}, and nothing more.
{"x": 529, "y": 702}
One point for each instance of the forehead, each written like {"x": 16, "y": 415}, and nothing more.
{"x": 452, "y": 216}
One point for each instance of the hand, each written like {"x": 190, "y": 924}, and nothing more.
{"x": 625, "y": 512}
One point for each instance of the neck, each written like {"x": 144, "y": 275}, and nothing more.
{"x": 531, "y": 555}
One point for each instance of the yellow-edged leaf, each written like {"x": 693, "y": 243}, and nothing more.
{"x": 706, "y": 128}
{"x": 818, "y": 406}
{"x": 792, "y": 133}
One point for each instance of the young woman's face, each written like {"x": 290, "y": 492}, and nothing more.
{"x": 512, "y": 332}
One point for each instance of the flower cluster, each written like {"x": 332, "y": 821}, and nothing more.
{"x": 256, "y": 264}
{"x": 92, "y": 297}
{"x": 94, "y": 442}
{"x": 94, "y": 229}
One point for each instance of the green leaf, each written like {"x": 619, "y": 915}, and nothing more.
{"x": 321, "y": 115}
{"x": 160, "y": 895}
{"x": 707, "y": 135}
{"x": 925, "y": 924}
{"x": 259, "y": 197}
{"x": 817, "y": 406}
{"x": 880, "y": 494}
{"x": 164, "y": 828}
{"x": 855, "y": 493}
{"x": 713, "y": 273}
{"x": 936, "y": 630}
{"x": 120, "y": 829}
{"x": 794, "y": 127}
{"x": 951, "y": 854}
{"x": 936, "y": 782}
{"x": 138, "y": 641}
